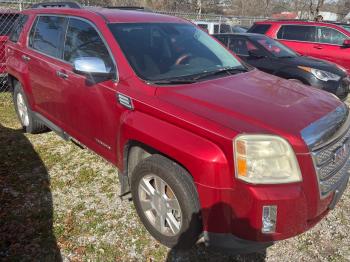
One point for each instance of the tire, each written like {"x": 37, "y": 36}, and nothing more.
{"x": 179, "y": 187}
{"x": 29, "y": 123}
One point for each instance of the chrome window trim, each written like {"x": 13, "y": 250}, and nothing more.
{"x": 34, "y": 24}
{"x": 311, "y": 42}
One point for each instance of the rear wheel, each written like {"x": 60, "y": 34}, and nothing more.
{"x": 29, "y": 123}
{"x": 167, "y": 202}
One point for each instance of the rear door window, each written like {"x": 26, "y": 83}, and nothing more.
{"x": 259, "y": 28}
{"x": 18, "y": 27}
{"x": 297, "y": 33}
{"x": 327, "y": 35}
{"x": 47, "y": 35}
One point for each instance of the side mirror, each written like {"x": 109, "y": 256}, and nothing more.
{"x": 91, "y": 66}
{"x": 255, "y": 53}
{"x": 346, "y": 43}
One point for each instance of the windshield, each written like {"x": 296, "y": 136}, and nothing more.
{"x": 275, "y": 48}
{"x": 347, "y": 27}
{"x": 167, "y": 51}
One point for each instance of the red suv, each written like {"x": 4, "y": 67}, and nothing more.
{"x": 329, "y": 41}
{"x": 7, "y": 24}
{"x": 206, "y": 145}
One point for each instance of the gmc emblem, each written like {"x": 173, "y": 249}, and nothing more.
{"x": 342, "y": 152}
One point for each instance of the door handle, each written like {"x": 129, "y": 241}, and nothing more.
{"x": 60, "y": 74}
{"x": 26, "y": 58}
{"x": 318, "y": 47}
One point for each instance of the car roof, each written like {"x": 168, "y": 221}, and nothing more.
{"x": 110, "y": 15}
{"x": 241, "y": 34}
{"x": 297, "y": 22}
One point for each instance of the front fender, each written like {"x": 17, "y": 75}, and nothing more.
{"x": 205, "y": 161}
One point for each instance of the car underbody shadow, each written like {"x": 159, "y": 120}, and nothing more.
{"x": 202, "y": 252}
{"x": 26, "y": 212}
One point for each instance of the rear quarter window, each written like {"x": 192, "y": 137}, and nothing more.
{"x": 18, "y": 27}
{"x": 297, "y": 33}
{"x": 259, "y": 28}
{"x": 7, "y": 21}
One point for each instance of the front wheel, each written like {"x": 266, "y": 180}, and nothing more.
{"x": 166, "y": 201}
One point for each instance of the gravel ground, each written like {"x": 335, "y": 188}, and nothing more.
{"x": 60, "y": 202}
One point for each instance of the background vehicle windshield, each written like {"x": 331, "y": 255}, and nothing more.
{"x": 167, "y": 51}
{"x": 275, "y": 48}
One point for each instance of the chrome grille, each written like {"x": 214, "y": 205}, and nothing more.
{"x": 332, "y": 170}
{"x": 325, "y": 155}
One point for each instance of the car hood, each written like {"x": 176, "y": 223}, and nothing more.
{"x": 253, "y": 102}
{"x": 314, "y": 63}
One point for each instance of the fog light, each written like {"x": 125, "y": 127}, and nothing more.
{"x": 269, "y": 219}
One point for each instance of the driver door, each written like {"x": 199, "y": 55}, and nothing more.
{"x": 91, "y": 113}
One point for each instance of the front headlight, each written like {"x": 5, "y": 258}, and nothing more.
{"x": 265, "y": 159}
{"x": 320, "y": 74}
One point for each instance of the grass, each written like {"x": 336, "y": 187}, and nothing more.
{"x": 58, "y": 201}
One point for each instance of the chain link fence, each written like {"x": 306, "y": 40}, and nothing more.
{"x": 10, "y": 9}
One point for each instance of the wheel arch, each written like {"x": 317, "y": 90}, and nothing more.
{"x": 142, "y": 135}
{"x": 11, "y": 82}
{"x": 134, "y": 153}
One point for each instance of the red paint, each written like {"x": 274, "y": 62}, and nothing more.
{"x": 193, "y": 124}
{"x": 335, "y": 53}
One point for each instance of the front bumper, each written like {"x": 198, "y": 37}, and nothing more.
{"x": 340, "y": 88}
{"x": 238, "y": 211}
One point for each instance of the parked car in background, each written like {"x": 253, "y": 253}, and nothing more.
{"x": 7, "y": 22}
{"x": 275, "y": 58}
{"x": 219, "y": 28}
{"x": 238, "y": 29}
{"x": 205, "y": 145}
{"x": 325, "y": 40}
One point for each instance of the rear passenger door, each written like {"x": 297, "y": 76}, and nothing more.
{"x": 44, "y": 59}
{"x": 300, "y": 38}
{"x": 329, "y": 46}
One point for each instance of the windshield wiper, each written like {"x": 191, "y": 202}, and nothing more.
{"x": 191, "y": 80}
{"x": 228, "y": 70}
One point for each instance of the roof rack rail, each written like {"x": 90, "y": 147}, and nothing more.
{"x": 136, "y": 8}
{"x": 290, "y": 20}
{"x": 57, "y": 4}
